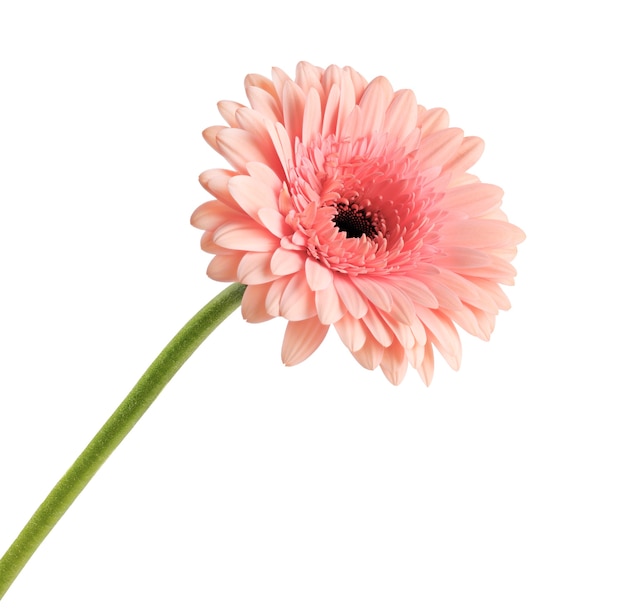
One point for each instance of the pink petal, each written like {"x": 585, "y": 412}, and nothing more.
{"x": 212, "y": 214}
{"x": 443, "y": 334}
{"x": 419, "y": 332}
{"x": 496, "y": 294}
{"x": 293, "y": 109}
{"x": 282, "y": 145}
{"x": 427, "y": 366}
{"x": 274, "y": 221}
{"x": 329, "y": 121}
{"x": 353, "y": 123}
{"x": 239, "y": 147}
{"x": 417, "y": 291}
{"x": 280, "y": 79}
{"x": 208, "y": 245}
{"x": 252, "y": 194}
{"x": 216, "y": 182}
{"x": 312, "y": 117}
{"x": 394, "y": 363}
{"x": 445, "y": 297}
{"x": 308, "y": 77}
{"x": 466, "y": 319}
{"x": 224, "y": 268}
{"x": 374, "y": 103}
{"x": 253, "y": 303}
{"x": 401, "y": 115}
{"x": 379, "y": 329}
{"x": 351, "y": 332}
{"x": 287, "y": 262}
{"x": 481, "y": 234}
{"x": 416, "y": 355}
{"x": 468, "y": 153}
{"x": 464, "y": 258}
{"x": 330, "y": 77}
{"x": 402, "y": 332}
{"x": 242, "y": 236}
{"x": 329, "y": 308}
{"x": 465, "y": 290}
{"x": 358, "y": 82}
{"x": 274, "y": 294}
{"x": 402, "y": 309}
{"x": 346, "y": 102}
{"x": 473, "y": 199}
{"x": 228, "y": 110}
{"x": 254, "y": 268}
{"x": 351, "y": 297}
{"x": 375, "y": 291}
{"x": 486, "y": 323}
{"x": 440, "y": 328}
{"x": 462, "y": 180}
{"x": 261, "y": 82}
{"x": 265, "y": 174}
{"x": 301, "y": 339}
{"x": 258, "y": 126}
{"x": 497, "y": 269}
{"x": 433, "y": 120}
{"x": 265, "y": 103}
{"x": 436, "y": 149}
{"x": 318, "y": 275}
{"x": 370, "y": 355}
{"x": 297, "y": 301}
{"x": 210, "y": 135}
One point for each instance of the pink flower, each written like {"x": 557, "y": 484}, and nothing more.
{"x": 349, "y": 205}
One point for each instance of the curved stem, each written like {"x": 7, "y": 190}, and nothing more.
{"x": 115, "y": 430}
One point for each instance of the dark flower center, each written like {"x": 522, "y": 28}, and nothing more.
{"x": 354, "y": 221}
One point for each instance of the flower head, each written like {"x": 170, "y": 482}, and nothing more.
{"x": 349, "y": 205}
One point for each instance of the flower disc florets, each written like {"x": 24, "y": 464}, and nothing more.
{"x": 349, "y": 205}
{"x": 360, "y": 204}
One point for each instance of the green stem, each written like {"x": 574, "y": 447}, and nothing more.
{"x": 115, "y": 430}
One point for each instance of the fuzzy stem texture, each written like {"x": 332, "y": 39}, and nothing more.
{"x": 115, "y": 430}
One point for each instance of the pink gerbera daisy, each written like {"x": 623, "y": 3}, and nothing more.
{"x": 349, "y": 205}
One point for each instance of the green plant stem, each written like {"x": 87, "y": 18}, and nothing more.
{"x": 115, "y": 430}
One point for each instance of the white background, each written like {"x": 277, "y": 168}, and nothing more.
{"x": 249, "y": 484}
